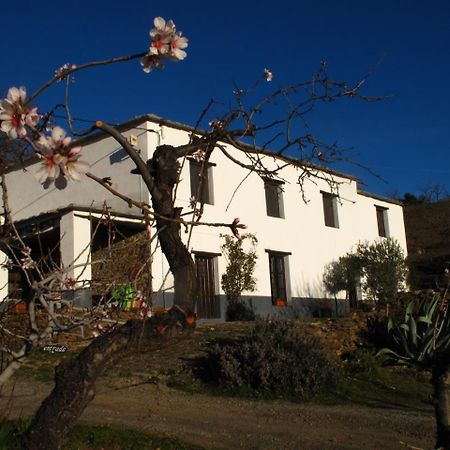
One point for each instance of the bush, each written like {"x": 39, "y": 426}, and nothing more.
{"x": 239, "y": 311}
{"x": 380, "y": 267}
{"x": 238, "y": 276}
{"x": 384, "y": 268}
{"x": 275, "y": 360}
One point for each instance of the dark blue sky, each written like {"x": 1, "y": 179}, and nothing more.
{"x": 405, "y": 139}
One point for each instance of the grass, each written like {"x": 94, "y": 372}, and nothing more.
{"x": 114, "y": 438}
{"x": 390, "y": 388}
{"x": 97, "y": 437}
{"x": 40, "y": 366}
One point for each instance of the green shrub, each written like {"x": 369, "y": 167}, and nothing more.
{"x": 237, "y": 311}
{"x": 380, "y": 267}
{"x": 274, "y": 360}
{"x": 384, "y": 269}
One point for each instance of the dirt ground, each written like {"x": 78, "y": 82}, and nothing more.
{"x": 230, "y": 423}
{"x": 135, "y": 393}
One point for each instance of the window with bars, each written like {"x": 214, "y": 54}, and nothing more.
{"x": 274, "y": 198}
{"x": 277, "y": 267}
{"x": 330, "y": 212}
{"x": 201, "y": 184}
{"x": 382, "y": 221}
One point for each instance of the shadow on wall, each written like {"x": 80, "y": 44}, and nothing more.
{"x": 297, "y": 307}
{"x": 303, "y": 287}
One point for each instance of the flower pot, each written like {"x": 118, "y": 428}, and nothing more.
{"x": 20, "y": 308}
{"x": 280, "y": 302}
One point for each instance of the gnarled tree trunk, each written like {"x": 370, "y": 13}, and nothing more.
{"x": 441, "y": 385}
{"x": 75, "y": 379}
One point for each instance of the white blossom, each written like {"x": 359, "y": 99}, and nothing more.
{"x": 58, "y": 159}
{"x": 166, "y": 42}
{"x": 268, "y": 75}
{"x": 14, "y": 114}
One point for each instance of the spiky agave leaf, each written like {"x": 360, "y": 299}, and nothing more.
{"x": 423, "y": 335}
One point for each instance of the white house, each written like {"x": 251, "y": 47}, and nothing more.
{"x": 296, "y": 238}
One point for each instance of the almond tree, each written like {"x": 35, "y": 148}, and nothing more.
{"x": 61, "y": 160}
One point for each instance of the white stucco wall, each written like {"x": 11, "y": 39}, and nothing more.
{"x": 75, "y": 244}
{"x": 106, "y": 159}
{"x": 3, "y": 276}
{"x": 237, "y": 193}
{"x": 302, "y": 231}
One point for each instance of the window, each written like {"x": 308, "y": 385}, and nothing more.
{"x": 274, "y": 198}
{"x": 205, "y": 194}
{"x": 277, "y": 269}
{"x": 330, "y": 210}
{"x": 382, "y": 220}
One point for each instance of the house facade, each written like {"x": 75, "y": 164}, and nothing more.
{"x": 299, "y": 231}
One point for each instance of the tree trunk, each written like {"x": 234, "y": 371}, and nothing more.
{"x": 441, "y": 385}
{"x": 75, "y": 379}
{"x": 164, "y": 167}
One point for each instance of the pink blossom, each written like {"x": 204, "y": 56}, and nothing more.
{"x": 192, "y": 202}
{"x": 50, "y": 167}
{"x": 216, "y": 123}
{"x": 166, "y": 42}
{"x": 149, "y": 62}
{"x": 235, "y": 225}
{"x": 70, "y": 282}
{"x": 162, "y": 28}
{"x": 73, "y": 167}
{"x": 64, "y": 71}
{"x": 177, "y": 44}
{"x": 32, "y": 117}
{"x": 14, "y": 114}
{"x": 268, "y": 75}
{"x": 27, "y": 262}
{"x": 58, "y": 158}
{"x": 161, "y": 36}
{"x": 199, "y": 155}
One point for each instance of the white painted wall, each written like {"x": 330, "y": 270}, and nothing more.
{"x": 3, "y": 276}
{"x": 75, "y": 244}
{"x": 237, "y": 193}
{"x": 106, "y": 159}
{"x": 302, "y": 232}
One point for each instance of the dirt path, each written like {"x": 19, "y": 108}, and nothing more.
{"x": 227, "y": 423}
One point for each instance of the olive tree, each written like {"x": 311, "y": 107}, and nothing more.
{"x": 380, "y": 266}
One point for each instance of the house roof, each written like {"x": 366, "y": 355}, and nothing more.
{"x": 138, "y": 120}
{"x": 132, "y": 123}
{"x": 48, "y": 220}
{"x": 379, "y": 197}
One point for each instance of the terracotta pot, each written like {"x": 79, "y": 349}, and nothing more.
{"x": 190, "y": 320}
{"x": 280, "y": 302}
{"x": 20, "y": 308}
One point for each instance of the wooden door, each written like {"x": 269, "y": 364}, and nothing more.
{"x": 208, "y": 306}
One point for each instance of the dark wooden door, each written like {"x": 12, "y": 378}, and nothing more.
{"x": 208, "y": 306}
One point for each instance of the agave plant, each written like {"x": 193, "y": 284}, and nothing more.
{"x": 422, "y": 339}
{"x": 422, "y": 335}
